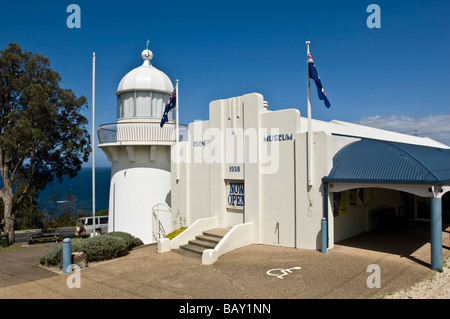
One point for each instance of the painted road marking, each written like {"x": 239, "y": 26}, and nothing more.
{"x": 281, "y": 272}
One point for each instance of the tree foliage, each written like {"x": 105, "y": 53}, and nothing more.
{"x": 43, "y": 134}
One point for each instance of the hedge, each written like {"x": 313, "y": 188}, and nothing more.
{"x": 108, "y": 246}
{"x": 130, "y": 240}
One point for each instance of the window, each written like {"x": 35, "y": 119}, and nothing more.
{"x": 119, "y": 108}
{"x": 89, "y": 221}
{"x": 157, "y": 104}
{"x": 127, "y": 100}
{"x": 142, "y": 104}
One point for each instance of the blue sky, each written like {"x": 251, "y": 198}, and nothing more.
{"x": 394, "y": 77}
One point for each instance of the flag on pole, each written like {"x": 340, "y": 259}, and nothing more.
{"x": 170, "y": 105}
{"x": 315, "y": 76}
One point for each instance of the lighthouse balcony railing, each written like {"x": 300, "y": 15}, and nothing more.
{"x": 140, "y": 132}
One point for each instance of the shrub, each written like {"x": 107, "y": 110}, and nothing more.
{"x": 96, "y": 248}
{"x": 53, "y": 256}
{"x": 130, "y": 240}
{"x": 103, "y": 247}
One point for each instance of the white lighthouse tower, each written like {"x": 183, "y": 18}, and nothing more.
{"x": 139, "y": 150}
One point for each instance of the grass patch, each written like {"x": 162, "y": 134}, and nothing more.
{"x": 14, "y": 246}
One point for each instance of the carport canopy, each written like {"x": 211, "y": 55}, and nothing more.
{"x": 422, "y": 170}
{"x": 416, "y": 169}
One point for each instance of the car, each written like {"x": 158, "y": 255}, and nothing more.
{"x": 85, "y": 226}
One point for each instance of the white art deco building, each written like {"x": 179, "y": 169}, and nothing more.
{"x": 139, "y": 150}
{"x": 260, "y": 177}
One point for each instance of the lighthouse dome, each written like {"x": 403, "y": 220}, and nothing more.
{"x": 144, "y": 91}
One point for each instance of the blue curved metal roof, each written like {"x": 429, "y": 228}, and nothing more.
{"x": 374, "y": 161}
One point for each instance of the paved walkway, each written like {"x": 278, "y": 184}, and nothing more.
{"x": 20, "y": 266}
{"x": 246, "y": 273}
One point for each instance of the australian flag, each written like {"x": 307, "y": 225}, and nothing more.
{"x": 315, "y": 76}
{"x": 170, "y": 105}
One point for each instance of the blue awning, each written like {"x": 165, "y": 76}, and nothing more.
{"x": 381, "y": 162}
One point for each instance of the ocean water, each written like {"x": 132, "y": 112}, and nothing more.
{"x": 54, "y": 195}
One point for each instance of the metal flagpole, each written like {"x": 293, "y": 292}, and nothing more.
{"x": 93, "y": 144}
{"x": 309, "y": 158}
{"x": 177, "y": 133}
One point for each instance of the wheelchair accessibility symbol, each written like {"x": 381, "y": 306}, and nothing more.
{"x": 281, "y": 272}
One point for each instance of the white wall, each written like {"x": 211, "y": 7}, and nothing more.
{"x": 135, "y": 188}
{"x": 278, "y": 186}
{"x": 309, "y": 199}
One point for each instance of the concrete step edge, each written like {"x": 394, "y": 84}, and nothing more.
{"x": 202, "y": 243}
{"x": 193, "y": 248}
{"x": 216, "y": 232}
{"x": 207, "y": 238}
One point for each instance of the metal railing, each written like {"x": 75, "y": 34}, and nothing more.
{"x": 157, "y": 227}
{"x": 140, "y": 132}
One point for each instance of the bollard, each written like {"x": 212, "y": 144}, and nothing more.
{"x": 67, "y": 255}
{"x": 324, "y": 243}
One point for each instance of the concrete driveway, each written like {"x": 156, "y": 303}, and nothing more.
{"x": 21, "y": 266}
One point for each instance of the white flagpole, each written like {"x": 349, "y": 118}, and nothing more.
{"x": 309, "y": 158}
{"x": 93, "y": 144}
{"x": 177, "y": 133}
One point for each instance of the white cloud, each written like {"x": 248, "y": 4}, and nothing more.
{"x": 436, "y": 127}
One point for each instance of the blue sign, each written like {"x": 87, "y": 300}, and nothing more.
{"x": 235, "y": 195}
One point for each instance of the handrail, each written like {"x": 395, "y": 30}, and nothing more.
{"x": 140, "y": 132}
{"x": 160, "y": 232}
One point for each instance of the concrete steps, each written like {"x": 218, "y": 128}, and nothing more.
{"x": 207, "y": 240}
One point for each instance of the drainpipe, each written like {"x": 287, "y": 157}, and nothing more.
{"x": 324, "y": 222}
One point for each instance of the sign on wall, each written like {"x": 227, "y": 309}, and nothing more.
{"x": 340, "y": 203}
{"x": 235, "y": 194}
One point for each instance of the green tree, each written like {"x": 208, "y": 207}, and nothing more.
{"x": 28, "y": 215}
{"x": 43, "y": 134}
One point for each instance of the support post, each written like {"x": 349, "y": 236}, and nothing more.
{"x": 323, "y": 248}
{"x": 93, "y": 145}
{"x": 67, "y": 255}
{"x": 177, "y": 134}
{"x": 436, "y": 233}
{"x": 309, "y": 136}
